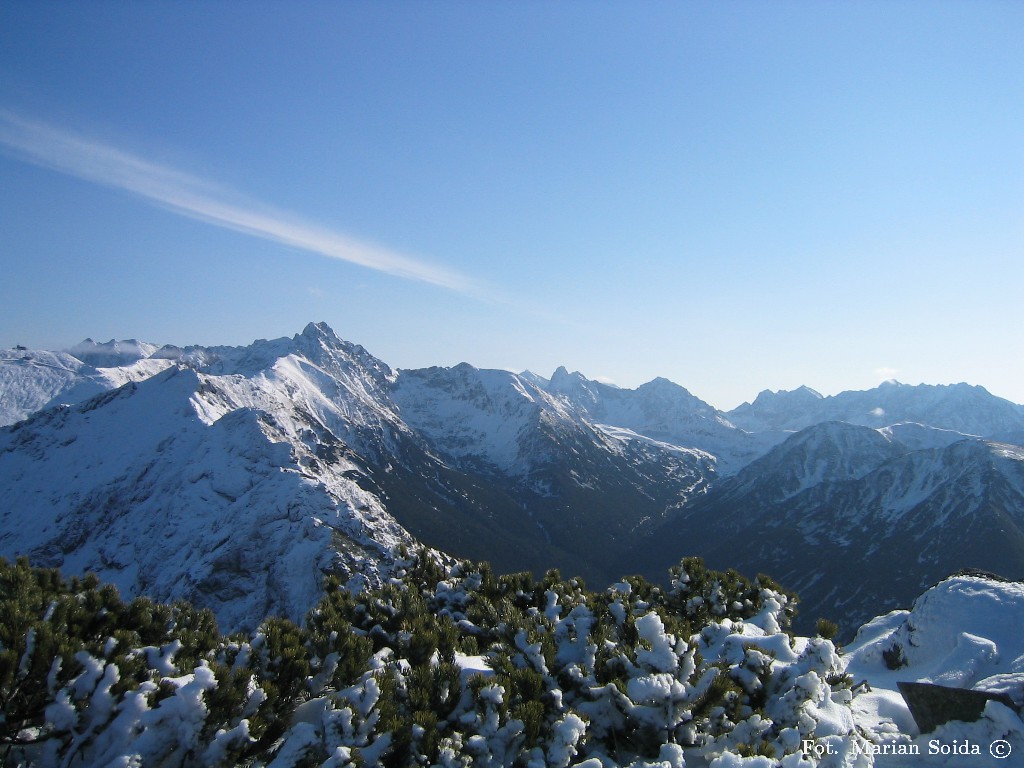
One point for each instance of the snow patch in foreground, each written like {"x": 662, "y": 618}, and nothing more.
{"x": 965, "y": 632}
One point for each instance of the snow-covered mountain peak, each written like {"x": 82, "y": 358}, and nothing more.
{"x": 664, "y": 411}
{"x": 803, "y": 390}
{"x": 829, "y": 452}
{"x": 536, "y": 379}
{"x": 482, "y": 414}
{"x": 322, "y": 331}
{"x": 317, "y": 345}
{"x": 970, "y": 410}
{"x": 662, "y": 391}
{"x": 240, "y": 485}
{"x": 803, "y": 393}
{"x": 31, "y": 379}
{"x": 779, "y": 410}
{"x": 320, "y": 343}
{"x": 562, "y": 381}
{"x": 560, "y": 373}
{"x": 971, "y": 454}
{"x": 324, "y": 347}
{"x": 113, "y": 353}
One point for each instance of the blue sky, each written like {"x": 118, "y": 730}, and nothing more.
{"x": 736, "y": 196}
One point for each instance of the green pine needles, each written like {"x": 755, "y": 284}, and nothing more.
{"x": 442, "y": 666}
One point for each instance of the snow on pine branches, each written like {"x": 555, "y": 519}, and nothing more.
{"x": 445, "y": 665}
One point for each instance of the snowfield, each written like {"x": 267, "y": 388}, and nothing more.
{"x": 965, "y": 632}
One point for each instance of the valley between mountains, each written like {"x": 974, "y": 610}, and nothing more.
{"x": 240, "y": 478}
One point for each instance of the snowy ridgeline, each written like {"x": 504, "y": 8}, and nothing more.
{"x": 251, "y": 473}
{"x": 452, "y": 666}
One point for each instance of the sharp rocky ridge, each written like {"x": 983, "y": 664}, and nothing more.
{"x": 240, "y": 477}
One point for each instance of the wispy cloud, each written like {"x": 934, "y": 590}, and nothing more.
{"x": 68, "y": 152}
{"x": 885, "y": 373}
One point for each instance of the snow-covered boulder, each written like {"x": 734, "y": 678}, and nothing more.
{"x": 964, "y": 632}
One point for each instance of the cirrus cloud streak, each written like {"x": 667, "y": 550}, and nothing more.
{"x": 67, "y": 152}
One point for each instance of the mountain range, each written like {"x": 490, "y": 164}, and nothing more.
{"x": 239, "y": 477}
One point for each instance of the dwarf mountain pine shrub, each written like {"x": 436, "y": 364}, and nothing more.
{"x": 448, "y": 664}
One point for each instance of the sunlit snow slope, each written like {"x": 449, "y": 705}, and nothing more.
{"x": 237, "y": 477}
{"x": 240, "y": 476}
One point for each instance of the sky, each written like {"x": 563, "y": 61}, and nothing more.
{"x": 736, "y": 196}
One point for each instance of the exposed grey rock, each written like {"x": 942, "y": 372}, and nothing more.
{"x": 933, "y": 705}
